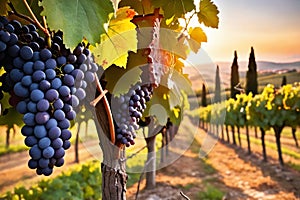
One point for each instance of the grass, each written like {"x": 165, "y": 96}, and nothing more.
{"x": 210, "y": 193}
{"x": 12, "y": 149}
{"x": 208, "y": 169}
{"x": 294, "y": 166}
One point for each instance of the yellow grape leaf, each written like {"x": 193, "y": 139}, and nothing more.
{"x": 197, "y": 36}
{"x": 120, "y": 38}
{"x": 208, "y": 14}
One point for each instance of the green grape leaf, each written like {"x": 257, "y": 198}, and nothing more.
{"x": 3, "y": 10}
{"x": 177, "y": 8}
{"x": 11, "y": 118}
{"x": 5, "y": 101}
{"x": 159, "y": 106}
{"x": 33, "y": 4}
{"x": 197, "y": 36}
{"x": 208, "y": 14}
{"x": 120, "y": 38}
{"x": 120, "y": 80}
{"x": 77, "y": 20}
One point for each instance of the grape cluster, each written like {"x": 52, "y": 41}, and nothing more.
{"x": 128, "y": 111}
{"x": 46, "y": 86}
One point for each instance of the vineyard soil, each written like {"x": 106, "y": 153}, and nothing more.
{"x": 228, "y": 168}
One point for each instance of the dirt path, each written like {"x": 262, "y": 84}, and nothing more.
{"x": 228, "y": 168}
{"x": 14, "y": 170}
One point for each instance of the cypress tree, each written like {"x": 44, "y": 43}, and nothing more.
{"x": 203, "y": 96}
{"x": 251, "y": 76}
{"x": 234, "y": 78}
{"x": 283, "y": 81}
{"x": 217, "y": 97}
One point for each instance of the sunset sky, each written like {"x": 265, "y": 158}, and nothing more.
{"x": 272, "y": 27}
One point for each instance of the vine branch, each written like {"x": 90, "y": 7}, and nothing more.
{"x": 14, "y": 12}
{"x": 187, "y": 22}
{"x": 45, "y": 30}
{"x": 107, "y": 108}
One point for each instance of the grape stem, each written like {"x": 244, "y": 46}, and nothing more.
{"x": 14, "y": 12}
{"x": 187, "y": 22}
{"x": 107, "y": 108}
{"x": 45, "y": 30}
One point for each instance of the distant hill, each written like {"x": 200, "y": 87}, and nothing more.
{"x": 207, "y": 71}
{"x": 261, "y": 66}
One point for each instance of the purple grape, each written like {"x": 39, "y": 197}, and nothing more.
{"x": 54, "y": 133}
{"x": 59, "y": 153}
{"x": 45, "y": 54}
{"x": 51, "y": 95}
{"x": 38, "y": 76}
{"x": 42, "y": 117}
{"x": 28, "y": 119}
{"x": 43, "y": 162}
{"x": 59, "y": 115}
{"x": 57, "y": 143}
{"x": 48, "y": 152}
{"x": 27, "y": 130}
{"x": 36, "y": 95}
{"x": 35, "y": 152}
{"x": 58, "y": 104}
{"x": 26, "y": 53}
{"x": 56, "y": 83}
{"x": 51, "y": 123}
{"x": 43, "y": 105}
{"x": 40, "y": 131}
{"x": 32, "y": 164}
{"x": 64, "y": 91}
{"x": 30, "y": 141}
{"x": 50, "y": 64}
{"x": 39, "y": 65}
{"x": 64, "y": 124}
{"x": 67, "y": 144}
{"x": 44, "y": 142}
{"x": 66, "y": 134}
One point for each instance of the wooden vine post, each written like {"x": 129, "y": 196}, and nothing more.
{"x": 113, "y": 167}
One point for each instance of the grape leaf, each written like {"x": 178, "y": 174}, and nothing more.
{"x": 5, "y": 101}
{"x": 33, "y": 4}
{"x": 177, "y": 8}
{"x": 159, "y": 106}
{"x": 11, "y": 118}
{"x": 77, "y": 19}
{"x": 208, "y": 14}
{"x": 120, "y": 80}
{"x": 196, "y": 37}
{"x": 3, "y": 10}
{"x": 119, "y": 39}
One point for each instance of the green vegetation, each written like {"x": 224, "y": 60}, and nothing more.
{"x": 294, "y": 166}
{"x": 208, "y": 169}
{"x": 12, "y": 149}
{"x": 81, "y": 182}
{"x": 276, "y": 79}
{"x": 210, "y": 193}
